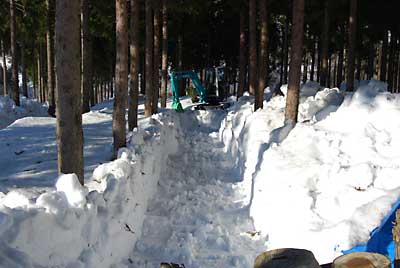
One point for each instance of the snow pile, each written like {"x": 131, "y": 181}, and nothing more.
{"x": 92, "y": 226}
{"x": 331, "y": 181}
{"x": 9, "y": 112}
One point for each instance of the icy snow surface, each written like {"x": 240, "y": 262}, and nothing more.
{"x": 205, "y": 188}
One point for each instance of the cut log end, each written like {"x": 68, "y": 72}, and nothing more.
{"x": 362, "y": 260}
{"x": 286, "y": 257}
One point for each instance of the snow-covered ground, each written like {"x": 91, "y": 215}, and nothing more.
{"x": 205, "y": 188}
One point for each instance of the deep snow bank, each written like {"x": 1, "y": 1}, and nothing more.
{"x": 92, "y": 226}
{"x": 9, "y": 112}
{"x": 332, "y": 180}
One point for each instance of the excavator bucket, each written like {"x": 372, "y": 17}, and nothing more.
{"x": 177, "y": 106}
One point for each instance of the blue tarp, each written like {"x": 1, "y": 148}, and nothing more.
{"x": 381, "y": 239}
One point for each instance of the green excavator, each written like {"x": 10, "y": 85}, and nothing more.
{"x": 204, "y": 99}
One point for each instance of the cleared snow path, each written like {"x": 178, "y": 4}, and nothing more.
{"x": 196, "y": 217}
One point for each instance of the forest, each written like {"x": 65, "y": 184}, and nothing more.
{"x": 154, "y": 132}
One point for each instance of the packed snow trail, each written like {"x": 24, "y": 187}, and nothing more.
{"x": 196, "y": 217}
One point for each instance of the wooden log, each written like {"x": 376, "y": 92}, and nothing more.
{"x": 362, "y": 260}
{"x": 286, "y": 258}
{"x": 396, "y": 239}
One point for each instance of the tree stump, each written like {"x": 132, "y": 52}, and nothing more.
{"x": 396, "y": 239}
{"x": 362, "y": 260}
{"x": 286, "y": 258}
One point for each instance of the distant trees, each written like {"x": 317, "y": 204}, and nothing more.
{"x": 69, "y": 105}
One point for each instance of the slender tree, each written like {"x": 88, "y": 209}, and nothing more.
{"x": 352, "y": 44}
{"x": 263, "y": 58}
{"x": 292, "y": 99}
{"x": 242, "y": 53}
{"x": 383, "y": 70}
{"x": 325, "y": 46}
{"x": 149, "y": 59}
{"x": 339, "y": 75}
{"x": 68, "y": 108}
{"x": 312, "y": 59}
{"x": 121, "y": 76}
{"x": 3, "y": 52}
{"x": 134, "y": 67}
{"x": 50, "y": 52}
{"x": 23, "y": 66}
{"x": 253, "y": 46}
{"x": 156, "y": 57}
{"x": 14, "y": 53}
{"x": 87, "y": 66}
{"x": 164, "y": 63}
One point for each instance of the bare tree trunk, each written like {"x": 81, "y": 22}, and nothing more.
{"x": 23, "y": 66}
{"x": 164, "y": 64}
{"x": 181, "y": 83}
{"x": 292, "y": 100}
{"x": 134, "y": 68}
{"x": 393, "y": 40}
{"x": 42, "y": 83}
{"x": 263, "y": 59}
{"x": 384, "y": 56}
{"x": 149, "y": 60}
{"x": 312, "y": 60}
{"x": 39, "y": 76}
{"x": 3, "y": 51}
{"x": 50, "y": 63}
{"x": 121, "y": 76}
{"x": 87, "y": 64}
{"x": 242, "y": 53}
{"x": 156, "y": 57}
{"x": 253, "y": 46}
{"x": 352, "y": 44}
{"x": 339, "y": 77}
{"x": 305, "y": 68}
{"x": 14, "y": 53}
{"x": 69, "y": 106}
{"x": 325, "y": 46}
{"x": 286, "y": 51}
{"x": 371, "y": 60}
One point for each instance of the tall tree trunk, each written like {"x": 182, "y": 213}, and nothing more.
{"x": 242, "y": 53}
{"x": 156, "y": 57}
{"x": 352, "y": 44}
{"x": 253, "y": 46}
{"x": 50, "y": 63}
{"x": 42, "y": 83}
{"x": 149, "y": 60}
{"x": 305, "y": 68}
{"x": 325, "y": 46}
{"x": 263, "y": 59}
{"x": 87, "y": 65}
{"x": 134, "y": 68}
{"x": 121, "y": 76}
{"x": 23, "y": 66}
{"x": 39, "y": 75}
{"x": 3, "y": 52}
{"x": 339, "y": 77}
{"x": 391, "y": 61}
{"x": 286, "y": 51}
{"x": 181, "y": 83}
{"x": 312, "y": 60}
{"x": 328, "y": 82}
{"x": 69, "y": 106}
{"x": 319, "y": 63}
{"x": 14, "y": 53}
{"x": 384, "y": 57}
{"x": 371, "y": 60}
{"x": 164, "y": 64}
{"x": 292, "y": 100}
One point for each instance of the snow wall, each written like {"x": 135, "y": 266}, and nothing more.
{"x": 93, "y": 226}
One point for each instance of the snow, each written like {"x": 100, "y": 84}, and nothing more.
{"x": 205, "y": 188}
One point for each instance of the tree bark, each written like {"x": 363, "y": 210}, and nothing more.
{"x": 69, "y": 106}
{"x": 384, "y": 56}
{"x": 371, "y": 60}
{"x": 286, "y": 51}
{"x": 3, "y": 51}
{"x": 149, "y": 60}
{"x": 253, "y": 47}
{"x": 14, "y": 53}
{"x": 23, "y": 66}
{"x": 292, "y": 100}
{"x": 156, "y": 57}
{"x": 325, "y": 46}
{"x": 242, "y": 53}
{"x": 339, "y": 77}
{"x": 164, "y": 64}
{"x": 121, "y": 76}
{"x": 134, "y": 68}
{"x": 263, "y": 59}
{"x": 39, "y": 75}
{"x": 352, "y": 44}
{"x": 312, "y": 60}
{"x": 87, "y": 64}
{"x": 50, "y": 52}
